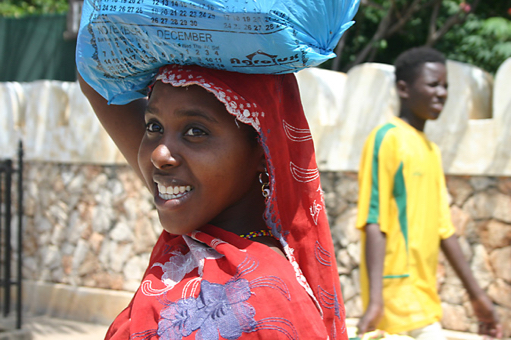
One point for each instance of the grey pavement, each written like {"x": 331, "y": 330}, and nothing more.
{"x": 45, "y": 328}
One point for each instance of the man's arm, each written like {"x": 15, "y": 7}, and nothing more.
{"x": 374, "y": 257}
{"x": 124, "y": 123}
{"x": 481, "y": 303}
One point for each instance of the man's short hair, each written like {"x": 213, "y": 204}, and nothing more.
{"x": 409, "y": 62}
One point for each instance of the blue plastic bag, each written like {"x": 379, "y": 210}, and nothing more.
{"x": 122, "y": 43}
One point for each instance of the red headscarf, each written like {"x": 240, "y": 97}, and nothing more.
{"x": 212, "y": 284}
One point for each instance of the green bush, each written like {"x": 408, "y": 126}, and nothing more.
{"x": 21, "y": 8}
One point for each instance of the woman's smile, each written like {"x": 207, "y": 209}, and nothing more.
{"x": 172, "y": 192}
{"x": 168, "y": 187}
{"x": 166, "y": 201}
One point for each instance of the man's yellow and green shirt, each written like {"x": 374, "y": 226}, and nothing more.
{"x": 402, "y": 188}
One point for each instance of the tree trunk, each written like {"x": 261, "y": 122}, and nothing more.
{"x": 338, "y": 52}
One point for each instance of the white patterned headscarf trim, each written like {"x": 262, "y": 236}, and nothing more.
{"x": 236, "y": 105}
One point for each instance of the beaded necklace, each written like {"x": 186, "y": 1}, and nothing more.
{"x": 253, "y": 234}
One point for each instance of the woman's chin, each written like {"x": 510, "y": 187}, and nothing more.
{"x": 176, "y": 227}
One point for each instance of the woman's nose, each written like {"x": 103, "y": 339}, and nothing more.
{"x": 162, "y": 157}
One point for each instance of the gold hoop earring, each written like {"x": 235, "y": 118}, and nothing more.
{"x": 265, "y": 189}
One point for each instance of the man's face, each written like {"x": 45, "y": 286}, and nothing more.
{"x": 426, "y": 96}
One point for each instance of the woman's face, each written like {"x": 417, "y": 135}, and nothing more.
{"x": 200, "y": 166}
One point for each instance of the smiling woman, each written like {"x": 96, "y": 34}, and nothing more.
{"x": 192, "y": 142}
{"x": 230, "y": 162}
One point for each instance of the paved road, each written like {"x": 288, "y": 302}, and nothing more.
{"x": 44, "y": 328}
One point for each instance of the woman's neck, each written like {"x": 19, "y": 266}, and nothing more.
{"x": 245, "y": 215}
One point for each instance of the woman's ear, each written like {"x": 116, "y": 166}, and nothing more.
{"x": 402, "y": 89}
{"x": 262, "y": 167}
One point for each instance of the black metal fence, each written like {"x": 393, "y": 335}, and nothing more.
{"x": 7, "y": 172}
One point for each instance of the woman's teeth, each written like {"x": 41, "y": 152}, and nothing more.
{"x": 171, "y": 192}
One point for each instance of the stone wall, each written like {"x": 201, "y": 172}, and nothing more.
{"x": 87, "y": 225}
{"x": 94, "y": 226}
{"x": 481, "y": 213}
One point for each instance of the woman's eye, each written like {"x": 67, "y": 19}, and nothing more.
{"x": 153, "y": 127}
{"x": 195, "y": 132}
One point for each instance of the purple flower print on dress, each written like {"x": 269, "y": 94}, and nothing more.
{"x": 178, "y": 265}
{"x": 175, "y": 321}
{"x": 219, "y": 309}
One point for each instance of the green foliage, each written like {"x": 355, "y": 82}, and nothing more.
{"x": 484, "y": 43}
{"x": 483, "y": 39}
{"x": 20, "y": 8}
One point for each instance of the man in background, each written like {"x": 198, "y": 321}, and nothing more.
{"x": 404, "y": 215}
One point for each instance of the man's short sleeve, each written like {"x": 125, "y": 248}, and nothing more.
{"x": 376, "y": 176}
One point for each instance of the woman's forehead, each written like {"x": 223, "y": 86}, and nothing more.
{"x": 163, "y": 90}
{"x": 187, "y": 101}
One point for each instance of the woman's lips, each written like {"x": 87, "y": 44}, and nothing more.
{"x": 172, "y": 192}
{"x": 170, "y": 201}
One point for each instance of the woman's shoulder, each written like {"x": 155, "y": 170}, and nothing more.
{"x": 245, "y": 291}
